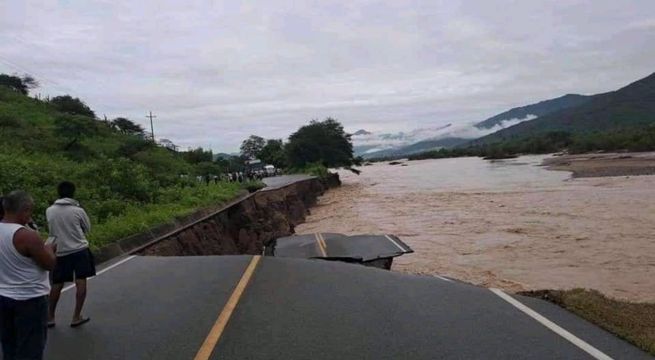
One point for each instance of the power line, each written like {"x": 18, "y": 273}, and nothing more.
{"x": 39, "y": 77}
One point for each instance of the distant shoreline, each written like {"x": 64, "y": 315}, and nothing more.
{"x": 603, "y": 164}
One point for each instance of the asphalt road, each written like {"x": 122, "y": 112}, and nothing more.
{"x": 165, "y": 308}
{"x": 276, "y": 182}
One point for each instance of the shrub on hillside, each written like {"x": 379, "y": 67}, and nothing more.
{"x": 9, "y": 121}
{"x": 74, "y": 127}
{"x": 70, "y": 105}
{"x": 18, "y": 84}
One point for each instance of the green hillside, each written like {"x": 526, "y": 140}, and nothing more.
{"x": 539, "y": 109}
{"x": 616, "y": 121}
{"x": 127, "y": 183}
{"x": 629, "y": 107}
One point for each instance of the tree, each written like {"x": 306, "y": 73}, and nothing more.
{"x": 71, "y": 105}
{"x": 163, "y": 165}
{"x": 230, "y": 163}
{"x": 198, "y": 155}
{"x": 127, "y": 126}
{"x": 74, "y": 127}
{"x": 273, "y": 153}
{"x": 133, "y": 145}
{"x": 251, "y": 147}
{"x": 21, "y": 85}
{"x": 29, "y": 82}
{"x": 322, "y": 142}
{"x": 206, "y": 168}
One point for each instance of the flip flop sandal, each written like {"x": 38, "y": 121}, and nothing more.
{"x": 81, "y": 322}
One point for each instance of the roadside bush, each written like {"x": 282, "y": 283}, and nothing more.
{"x": 315, "y": 169}
{"x": 9, "y": 121}
{"x": 173, "y": 202}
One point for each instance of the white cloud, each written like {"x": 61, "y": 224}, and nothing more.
{"x": 216, "y": 72}
{"x": 382, "y": 141}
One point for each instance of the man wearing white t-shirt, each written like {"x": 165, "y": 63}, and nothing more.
{"x": 24, "y": 264}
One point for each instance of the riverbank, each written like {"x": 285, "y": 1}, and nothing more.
{"x": 604, "y": 164}
{"x": 512, "y": 224}
{"x": 243, "y": 226}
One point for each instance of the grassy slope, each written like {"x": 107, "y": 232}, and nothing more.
{"x": 123, "y": 194}
{"x": 634, "y": 322}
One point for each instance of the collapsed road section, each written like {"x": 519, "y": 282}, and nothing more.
{"x": 370, "y": 250}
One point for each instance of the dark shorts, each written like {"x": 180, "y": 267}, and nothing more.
{"x": 78, "y": 265}
{"x": 23, "y": 327}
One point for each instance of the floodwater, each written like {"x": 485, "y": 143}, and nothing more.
{"x": 463, "y": 174}
{"x": 510, "y": 224}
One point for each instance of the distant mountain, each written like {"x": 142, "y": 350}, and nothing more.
{"x": 362, "y": 132}
{"x": 632, "y": 105}
{"x": 449, "y": 136}
{"x": 366, "y": 142}
{"x": 416, "y": 148}
{"x": 449, "y": 142}
{"x": 224, "y": 156}
{"x": 539, "y": 109}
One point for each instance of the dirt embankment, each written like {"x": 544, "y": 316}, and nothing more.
{"x": 245, "y": 226}
{"x": 600, "y": 165}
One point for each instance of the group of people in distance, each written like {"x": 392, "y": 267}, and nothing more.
{"x": 28, "y": 295}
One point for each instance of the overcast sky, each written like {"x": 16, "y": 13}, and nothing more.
{"x": 215, "y": 72}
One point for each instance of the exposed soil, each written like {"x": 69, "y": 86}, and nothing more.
{"x": 246, "y": 226}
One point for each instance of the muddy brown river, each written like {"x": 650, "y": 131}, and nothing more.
{"x": 510, "y": 224}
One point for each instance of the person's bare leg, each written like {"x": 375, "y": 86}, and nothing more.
{"x": 80, "y": 296}
{"x": 55, "y": 292}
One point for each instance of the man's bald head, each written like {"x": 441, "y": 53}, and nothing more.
{"x": 18, "y": 206}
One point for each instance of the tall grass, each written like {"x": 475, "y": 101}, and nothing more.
{"x": 177, "y": 203}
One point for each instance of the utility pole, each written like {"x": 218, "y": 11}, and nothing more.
{"x": 152, "y": 129}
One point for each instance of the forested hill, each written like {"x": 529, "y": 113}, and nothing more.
{"x": 539, "y": 109}
{"x": 126, "y": 182}
{"x": 504, "y": 119}
{"x": 629, "y": 107}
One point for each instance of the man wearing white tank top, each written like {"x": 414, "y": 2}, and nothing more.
{"x": 24, "y": 264}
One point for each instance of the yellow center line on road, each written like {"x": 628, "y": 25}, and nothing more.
{"x": 321, "y": 244}
{"x": 219, "y": 326}
{"x": 323, "y": 241}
